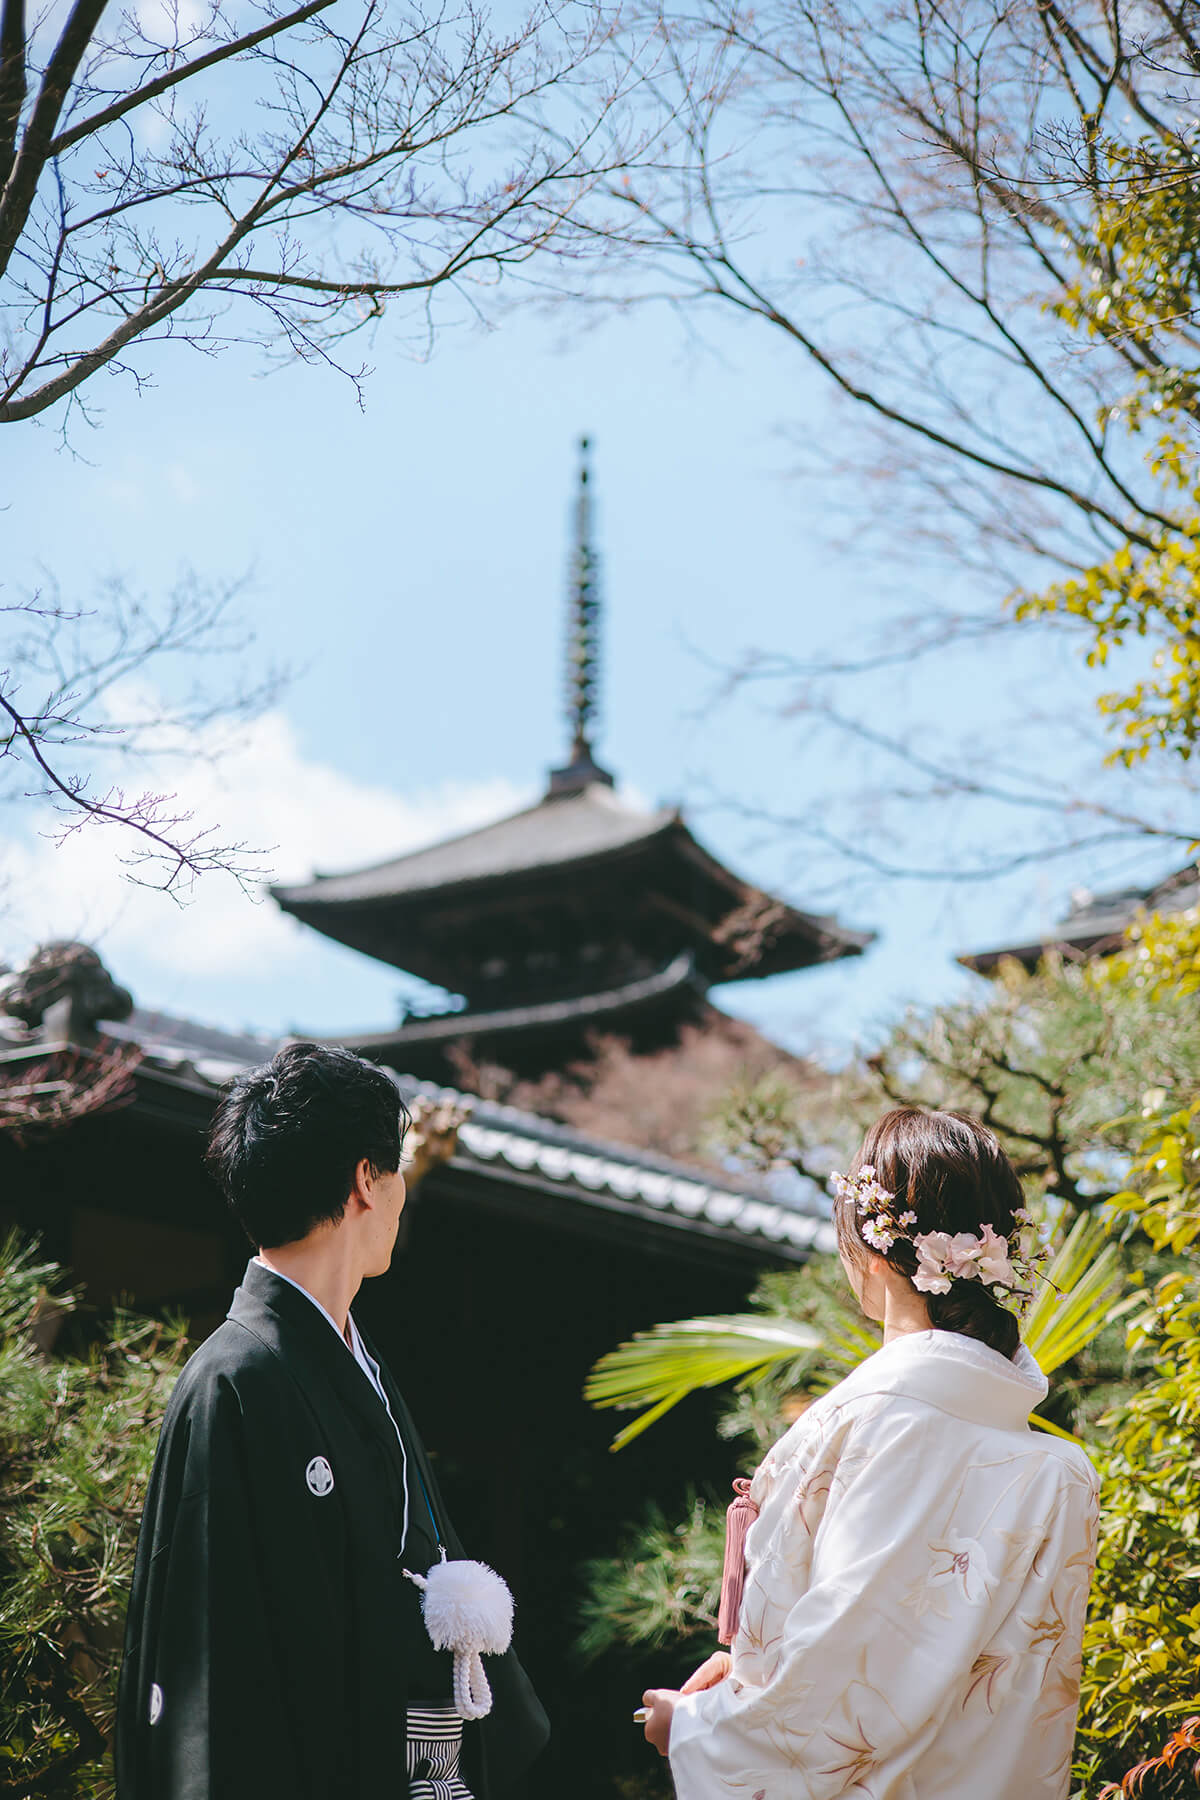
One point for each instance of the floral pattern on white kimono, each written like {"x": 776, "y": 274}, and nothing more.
{"x": 916, "y": 1583}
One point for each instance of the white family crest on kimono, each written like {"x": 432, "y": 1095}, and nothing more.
{"x": 916, "y": 1583}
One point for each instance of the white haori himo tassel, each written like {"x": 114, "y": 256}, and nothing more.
{"x": 467, "y": 1608}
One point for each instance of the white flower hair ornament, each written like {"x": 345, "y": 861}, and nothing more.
{"x": 1007, "y": 1264}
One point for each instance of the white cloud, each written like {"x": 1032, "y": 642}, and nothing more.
{"x": 183, "y": 484}
{"x": 225, "y": 956}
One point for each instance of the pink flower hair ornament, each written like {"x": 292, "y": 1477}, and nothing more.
{"x": 1007, "y": 1264}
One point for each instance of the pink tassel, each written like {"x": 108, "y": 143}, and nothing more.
{"x": 738, "y": 1520}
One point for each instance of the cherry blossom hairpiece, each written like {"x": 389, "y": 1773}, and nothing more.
{"x": 1007, "y": 1264}
{"x": 878, "y": 1223}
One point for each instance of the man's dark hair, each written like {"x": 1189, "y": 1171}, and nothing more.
{"x": 288, "y": 1137}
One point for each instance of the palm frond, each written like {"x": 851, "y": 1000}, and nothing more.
{"x": 1054, "y": 1430}
{"x": 656, "y": 1369}
{"x": 1081, "y": 1294}
{"x": 660, "y": 1367}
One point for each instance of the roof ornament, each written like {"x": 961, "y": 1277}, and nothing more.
{"x": 583, "y": 646}
{"x": 63, "y": 993}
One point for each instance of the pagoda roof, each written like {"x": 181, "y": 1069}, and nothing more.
{"x": 543, "y": 850}
{"x": 517, "y": 916}
{"x": 559, "y": 832}
{"x": 598, "y": 1010}
{"x": 1095, "y": 924}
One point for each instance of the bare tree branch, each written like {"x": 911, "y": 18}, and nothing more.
{"x": 393, "y": 156}
{"x": 86, "y": 658}
{"x": 12, "y": 80}
{"x": 921, "y": 143}
{"x": 150, "y": 90}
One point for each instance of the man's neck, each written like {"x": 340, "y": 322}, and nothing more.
{"x": 324, "y": 1265}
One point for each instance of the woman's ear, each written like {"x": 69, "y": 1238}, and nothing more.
{"x": 874, "y": 1271}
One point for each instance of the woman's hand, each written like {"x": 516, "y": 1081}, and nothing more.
{"x": 659, "y": 1703}
{"x": 660, "y": 1709}
{"x": 716, "y": 1669}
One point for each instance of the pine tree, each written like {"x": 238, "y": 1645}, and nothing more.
{"x": 77, "y": 1438}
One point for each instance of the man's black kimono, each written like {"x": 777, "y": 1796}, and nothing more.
{"x": 273, "y": 1644}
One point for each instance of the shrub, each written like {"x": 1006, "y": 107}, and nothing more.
{"x": 77, "y": 1439}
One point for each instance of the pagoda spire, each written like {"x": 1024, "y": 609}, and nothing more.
{"x": 583, "y": 645}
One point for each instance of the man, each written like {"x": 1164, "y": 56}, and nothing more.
{"x": 274, "y": 1647}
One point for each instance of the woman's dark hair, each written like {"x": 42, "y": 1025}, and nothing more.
{"x": 950, "y": 1170}
{"x": 288, "y": 1137}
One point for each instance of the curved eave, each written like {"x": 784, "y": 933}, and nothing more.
{"x": 312, "y": 900}
{"x": 550, "y": 1015}
{"x": 728, "y": 1210}
{"x": 1074, "y": 949}
{"x": 1098, "y": 928}
{"x": 810, "y": 941}
{"x": 796, "y": 940}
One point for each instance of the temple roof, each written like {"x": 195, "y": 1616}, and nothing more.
{"x": 404, "y": 909}
{"x": 1095, "y": 924}
{"x": 506, "y": 1156}
{"x": 606, "y": 1009}
{"x": 578, "y": 912}
{"x": 559, "y": 831}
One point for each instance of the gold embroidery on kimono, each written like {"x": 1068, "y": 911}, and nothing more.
{"x": 916, "y": 1583}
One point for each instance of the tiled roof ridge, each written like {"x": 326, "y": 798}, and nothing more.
{"x": 498, "y": 1113}
{"x": 528, "y": 1142}
{"x": 551, "y": 1154}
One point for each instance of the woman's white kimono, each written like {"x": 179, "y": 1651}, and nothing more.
{"x": 916, "y": 1583}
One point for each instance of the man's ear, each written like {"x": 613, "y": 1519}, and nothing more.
{"x": 362, "y": 1187}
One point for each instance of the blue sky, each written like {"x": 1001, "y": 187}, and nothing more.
{"x": 409, "y": 559}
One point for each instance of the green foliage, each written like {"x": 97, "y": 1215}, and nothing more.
{"x": 660, "y": 1367}
{"x": 77, "y": 1438}
{"x": 1138, "y": 290}
{"x": 1162, "y": 961}
{"x": 1149, "y": 591}
{"x": 804, "y": 1332}
{"x": 1056, "y": 1062}
{"x": 665, "y": 1585}
{"x": 1061, "y": 1063}
{"x": 1083, "y": 1292}
{"x": 1142, "y": 1644}
{"x": 815, "y": 1297}
{"x": 1139, "y": 270}
{"x": 1090, "y": 1074}
{"x": 1081, "y": 1296}
{"x": 1127, "y": 1116}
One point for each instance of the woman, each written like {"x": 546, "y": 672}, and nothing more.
{"x": 916, "y": 1578}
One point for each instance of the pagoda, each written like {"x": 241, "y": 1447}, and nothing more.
{"x": 578, "y": 915}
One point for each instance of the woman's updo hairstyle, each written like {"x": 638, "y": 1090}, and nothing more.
{"x": 950, "y": 1170}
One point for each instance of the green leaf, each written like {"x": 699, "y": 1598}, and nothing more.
{"x": 1081, "y": 1294}
{"x": 660, "y": 1367}
{"x": 1054, "y": 1430}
